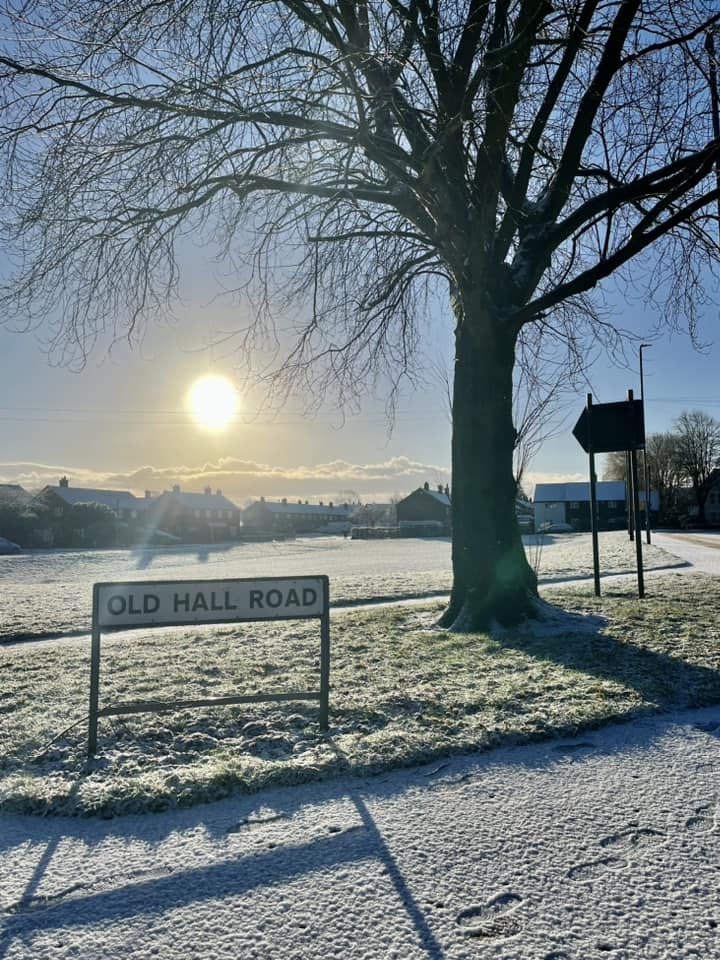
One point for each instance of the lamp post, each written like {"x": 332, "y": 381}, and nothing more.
{"x": 645, "y": 346}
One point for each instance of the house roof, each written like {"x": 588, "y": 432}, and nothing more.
{"x": 115, "y": 499}
{"x": 442, "y": 498}
{"x": 565, "y": 492}
{"x": 13, "y": 493}
{"x": 302, "y": 509}
{"x": 196, "y": 501}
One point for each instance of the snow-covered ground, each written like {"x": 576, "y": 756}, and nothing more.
{"x": 700, "y": 548}
{"x": 50, "y": 593}
{"x": 605, "y": 846}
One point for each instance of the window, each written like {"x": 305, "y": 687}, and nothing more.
{"x": 612, "y": 504}
{"x": 574, "y": 505}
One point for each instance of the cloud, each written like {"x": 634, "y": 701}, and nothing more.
{"x": 245, "y": 479}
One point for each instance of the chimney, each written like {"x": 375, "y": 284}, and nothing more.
{"x": 218, "y": 493}
{"x": 284, "y": 501}
{"x": 176, "y": 488}
{"x": 426, "y": 486}
{"x": 208, "y": 491}
{"x": 262, "y": 499}
{"x": 299, "y": 503}
{"x": 447, "y": 490}
{"x": 148, "y": 495}
{"x": 440, "y": 488}
{"x": 320, "y": 503}
{"x": 64, "y": 482}
{"x": 331, "y": 505}
{"x": 306, "y": 503}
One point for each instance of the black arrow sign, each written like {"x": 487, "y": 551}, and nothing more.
{"x": 606, "y": 427}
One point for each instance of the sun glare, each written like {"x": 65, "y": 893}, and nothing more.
{"x": 213, "y": 402}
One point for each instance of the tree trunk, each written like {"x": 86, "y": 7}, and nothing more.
{"x": 492, "y": 579}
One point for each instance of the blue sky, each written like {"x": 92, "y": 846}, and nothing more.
{"x": 121, "y": 422}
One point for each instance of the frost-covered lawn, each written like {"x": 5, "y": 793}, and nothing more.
{"x": 402, "y": 692}
{"x": 49, "y": 593}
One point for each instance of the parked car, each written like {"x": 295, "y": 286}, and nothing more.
{"x": 7, "y": 547}
{"x": 550, "y": 527}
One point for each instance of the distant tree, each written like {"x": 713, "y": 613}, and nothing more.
{"x": 87, "y": 525}
{"x": 368, "y": 156}
{"x": 22, "y": 522}
{"x": 698, "y": 452}
{"x": 664, "y": 469}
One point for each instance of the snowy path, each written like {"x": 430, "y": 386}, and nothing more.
{"x": 606, "y": 846}
{"x": 700, "y": 548}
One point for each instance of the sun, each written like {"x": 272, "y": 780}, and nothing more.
{"x": 212, "y": 401}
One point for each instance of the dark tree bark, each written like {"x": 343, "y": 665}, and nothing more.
{"x": 493, "y": 580}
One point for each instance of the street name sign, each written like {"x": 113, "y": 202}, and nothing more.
{"x": 153, "y": 604}
{"x": 605, "y": 427}
{"x": 132, "y": 605}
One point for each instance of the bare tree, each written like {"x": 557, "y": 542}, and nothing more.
{"x": 698, "y": 452}
{"x": 507, "y": 154}
{"x": 661, "y": 450}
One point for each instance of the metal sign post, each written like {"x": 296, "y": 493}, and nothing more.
{"x": 636, "y": 514}
{"x": 603, "y": 429}
{"x": 129, "y": 606}
{"x": 593, "y": 503}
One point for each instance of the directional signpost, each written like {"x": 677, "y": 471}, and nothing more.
{"x": 604, "y": 428}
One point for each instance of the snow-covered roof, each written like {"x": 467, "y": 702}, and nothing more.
{"x": 442, "y": 498}
{"x": 197, "y": 501}
{"x": 115, "y": 499}
{"x": 438, "y": 495}
{"x": 302, "y": 509}
{"x": 565, "y": 492}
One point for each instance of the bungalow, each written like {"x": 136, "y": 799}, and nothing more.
{"x": 287, "y": 517}
{"x": 569, "y": 503}
{"x": 194, "y": 517}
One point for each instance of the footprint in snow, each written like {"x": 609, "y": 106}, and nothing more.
{"x": 633, "y": 838}
{"x": 490, "y": 920}
{"x": 620, "y": 845}
{"x": 595, "y": 868}
{"x": 702, "y": 819}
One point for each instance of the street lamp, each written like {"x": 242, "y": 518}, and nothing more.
{"x": 645, "y": 346}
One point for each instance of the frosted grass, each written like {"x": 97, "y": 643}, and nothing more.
{"x": 50, "y": 593}
{"x": 403, "y": 692}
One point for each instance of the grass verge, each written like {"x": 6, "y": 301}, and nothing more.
{"x": 403, "y": 692}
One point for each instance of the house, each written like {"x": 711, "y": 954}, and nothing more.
{"x": 569, "y": 503}
{"x": 426, "y": 506}
{"x": 205, "y": 517}
{"x": 288, "y": 517}
{"x": 62, "y": 498}
{"x": 12, "y": 494}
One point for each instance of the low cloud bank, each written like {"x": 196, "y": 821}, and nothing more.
{"x": 245, "y": 479}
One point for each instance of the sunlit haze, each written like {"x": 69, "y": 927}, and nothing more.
{"x": 213, "y": 402}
